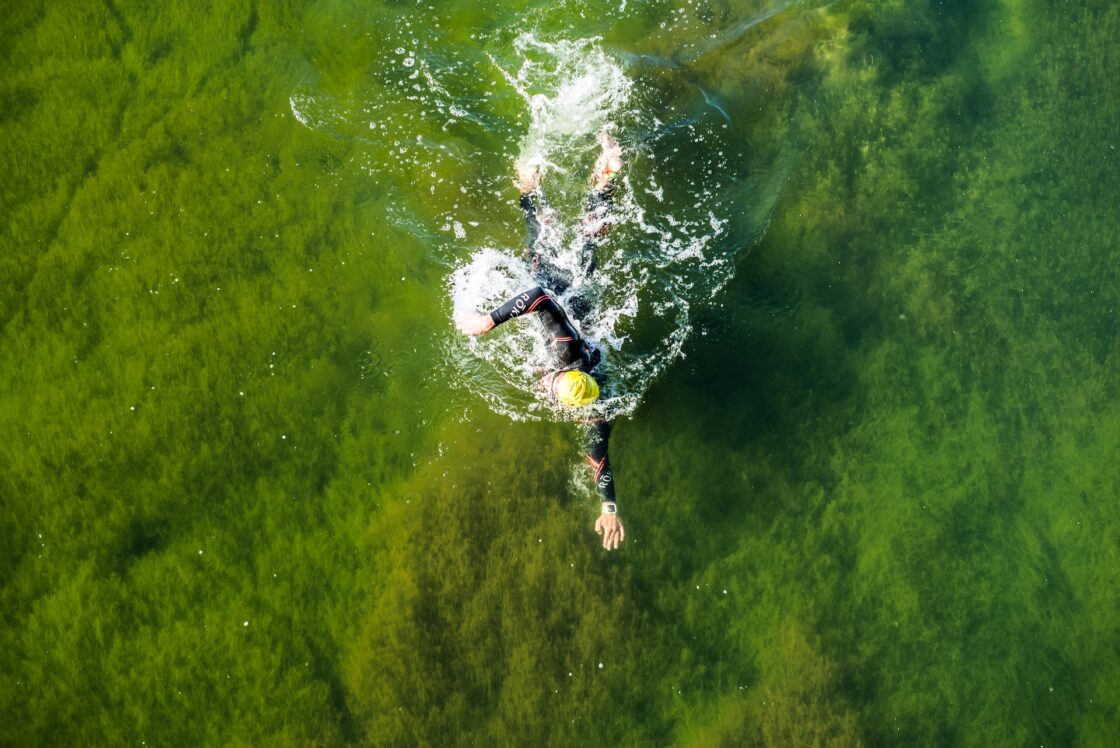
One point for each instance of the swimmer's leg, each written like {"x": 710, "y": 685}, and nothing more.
{"x": 538, "y": 218}
{"x": 596, "y": 217}
{"x": 528, "y": 183}
{"x": 531, "y": 204}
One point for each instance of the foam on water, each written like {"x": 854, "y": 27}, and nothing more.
{"x": 572, "y": 89}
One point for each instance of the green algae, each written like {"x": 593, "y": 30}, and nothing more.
{"x": 244, "y": 502}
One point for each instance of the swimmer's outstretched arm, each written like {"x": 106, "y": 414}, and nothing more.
{"x": 608, "y": 524}
{"x": 596, "y": 220}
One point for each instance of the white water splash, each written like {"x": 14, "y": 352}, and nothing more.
{"x": 573, "y": 91}
{"x": 648, "y": 267}
{"x": 677, "y": 219}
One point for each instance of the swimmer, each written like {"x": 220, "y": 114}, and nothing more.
{"x": 575, "y": 379}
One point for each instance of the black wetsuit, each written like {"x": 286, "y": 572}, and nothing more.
{"x": 570, "y": 353}
{"x": 568, "y": 348}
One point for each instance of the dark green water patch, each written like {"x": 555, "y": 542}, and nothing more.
{"x": 244, "y": 498}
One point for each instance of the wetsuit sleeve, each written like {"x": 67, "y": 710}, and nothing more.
{"x": 598, "y": 434}
{"x": 536, "y": 299}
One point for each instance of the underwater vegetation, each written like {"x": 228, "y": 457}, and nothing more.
{"x": 244, "y": 499}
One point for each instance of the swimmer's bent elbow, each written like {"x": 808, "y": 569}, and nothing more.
{"x": 522, "y": 303}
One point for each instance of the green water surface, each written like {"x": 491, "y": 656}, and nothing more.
{"x": 244, "y": 499}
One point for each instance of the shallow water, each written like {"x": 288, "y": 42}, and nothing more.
{"x": 860, "y": 302}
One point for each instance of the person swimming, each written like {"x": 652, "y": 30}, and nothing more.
{"x": 575, "y": 379}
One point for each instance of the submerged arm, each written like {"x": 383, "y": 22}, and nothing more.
{"x": 608, "y": 524}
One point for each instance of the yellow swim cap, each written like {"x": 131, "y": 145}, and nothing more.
{"x": 576, "y": 388}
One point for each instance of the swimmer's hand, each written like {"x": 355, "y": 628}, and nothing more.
{"x": 610, "y": 527}
{"x": 475, "y": 324}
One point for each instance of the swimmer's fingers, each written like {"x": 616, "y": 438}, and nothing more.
{"x": 612, "y": 539}
{"x": 610, "y": 527}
